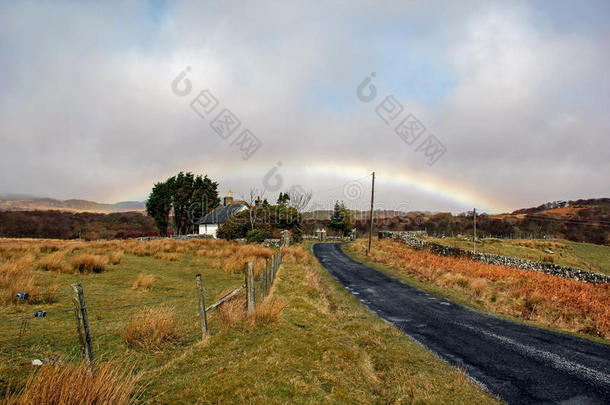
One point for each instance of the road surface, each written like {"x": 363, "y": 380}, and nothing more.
{"x": 518, "y": 363}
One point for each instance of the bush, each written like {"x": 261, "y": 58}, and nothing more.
{"x": 257, "y": 235}
{"x": 87, "y": 263}
{"x": 154, "y": 329}
{"x": 273, "y": 218}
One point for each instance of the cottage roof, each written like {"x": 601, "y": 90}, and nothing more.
{"x": 220, "y": 214}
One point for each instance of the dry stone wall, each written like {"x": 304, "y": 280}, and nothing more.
{"x": 414, "y": 239}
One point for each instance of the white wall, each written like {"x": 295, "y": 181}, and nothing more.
{"x": 208, "y": 229}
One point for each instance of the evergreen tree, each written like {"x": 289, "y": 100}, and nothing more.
{"x": 158, "y": 206}
{"x": 341, "y": 219}
{"x": 283, "y": 198}
{"x": 191, "y": 197}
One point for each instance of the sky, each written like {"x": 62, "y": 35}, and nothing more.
{"x": 496, "y": 105}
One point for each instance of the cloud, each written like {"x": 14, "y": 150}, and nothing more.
{"x": 87, "y": 111}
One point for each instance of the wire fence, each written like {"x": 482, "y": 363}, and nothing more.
{"x": 58, "y": 335}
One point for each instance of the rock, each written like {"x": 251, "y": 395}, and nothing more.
{"x": 37, "y": 362}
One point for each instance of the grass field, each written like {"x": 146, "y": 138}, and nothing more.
{"x": 527, "y": 296}
{"x": 585, "y": 256}
{"x": 311, "y": 342}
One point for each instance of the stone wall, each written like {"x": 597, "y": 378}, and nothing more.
{"x": 414, "y": 239}
{"x": 328, "y": 238}
{"x": 272, "y": 243}
{"x": 176, "y": 237}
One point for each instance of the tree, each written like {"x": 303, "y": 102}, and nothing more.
{"x": 267, "y": 219}
{"x": 283, "y": 198}
{"x": 158, "y": 206}
{"x": 341, "y": 219}
{"x": 299, "y": 198}
{"x": 190, "y": 197}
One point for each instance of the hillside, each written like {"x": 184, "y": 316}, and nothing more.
{"x": 28, "y": 203}
{"x": 567, "y": 208}
{"x": 578, "y": 221}
{"x": 72, "y": 225}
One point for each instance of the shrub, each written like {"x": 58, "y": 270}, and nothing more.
{"x": 68, "y": 384}
{"x": 154, "y": 329}
{"x": 257, "y": 235}
{"x": 143, "y": 282}
{"x": 86, "y": 263}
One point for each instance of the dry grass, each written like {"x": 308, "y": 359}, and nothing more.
{"x": 77, "y": 384}
{"x": 170, "y": 257}
{"x": 87, "y": 263}
{"x": 232, "y": 311}
{"x": 154, "y": 329}
{"x": 115, "y": 257}
{"x": 143, "y": 282}
{"x": 54, "y": 262}
{"x": 17, "y": 275}
{"x": 20, "y": 257}
{"x": 546, "y": 299}
{"x": 268, "y": 312}
{"x": 296, "y": 254}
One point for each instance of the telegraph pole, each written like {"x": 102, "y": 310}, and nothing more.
{"x": 474, "y": 231}
{"x": 371, "y": 228}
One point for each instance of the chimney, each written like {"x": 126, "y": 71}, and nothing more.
{"x": 228, "y": 199}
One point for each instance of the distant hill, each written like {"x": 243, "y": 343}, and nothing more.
{"x": 567, "y": 208}
{"x": 70, "y": 225}
{"x": 580, "y": 220}
{"x": 16, "y": 202}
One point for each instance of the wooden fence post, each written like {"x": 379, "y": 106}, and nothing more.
{"x": 262, "y": 277}
{"x": 272, "y": 276}
{"x": 82, "y": 322}
{"x": 268, "y": 278}
{"x": 203, "y": 318}
{"x": 250, "y": 288}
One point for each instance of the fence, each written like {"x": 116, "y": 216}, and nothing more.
{"x": 81, "y": 330}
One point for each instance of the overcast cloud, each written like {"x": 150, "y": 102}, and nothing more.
{"x": 518, "y": 93}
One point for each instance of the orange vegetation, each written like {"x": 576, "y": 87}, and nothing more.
{"x": 19, "y": 259}
{"x": 543, "y": 298}
{"x": 68, "y": 384}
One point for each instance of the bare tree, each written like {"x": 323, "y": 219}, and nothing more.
{"x": 254, "y": 194}
{"x": 299, "y": 198}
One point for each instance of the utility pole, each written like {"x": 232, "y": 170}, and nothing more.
{"x": 371, "y": 228}
{"x": 474, "y": 231}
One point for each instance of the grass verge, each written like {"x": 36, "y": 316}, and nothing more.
{"x": 312, "y": 342}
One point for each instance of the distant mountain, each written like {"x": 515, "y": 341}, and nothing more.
{"x": 15, "y": 202}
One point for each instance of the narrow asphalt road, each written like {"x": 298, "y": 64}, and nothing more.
{"x": 518, "y": 363}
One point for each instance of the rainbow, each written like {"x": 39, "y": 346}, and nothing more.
{"x": 427, "y": 182}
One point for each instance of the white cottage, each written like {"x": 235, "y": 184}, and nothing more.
{"x": 210, "y": 223}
